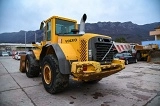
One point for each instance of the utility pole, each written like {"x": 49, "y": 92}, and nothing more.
{"x": 25, "y": 41}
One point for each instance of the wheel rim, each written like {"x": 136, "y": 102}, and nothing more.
{"x": 47, "y": 74}
{"x": 27, "y": 65}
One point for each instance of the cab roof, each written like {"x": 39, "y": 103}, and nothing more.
{"x": 62, "y": 18}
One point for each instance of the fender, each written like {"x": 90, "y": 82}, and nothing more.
{"x": 65, "y": 53}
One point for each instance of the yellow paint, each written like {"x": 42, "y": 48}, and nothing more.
{"x": 68, "y": 51}
{"x": 92, "y": 66}
{"x": 75, "y": 44}
{"x": 71, "y": 45}
{"x": 55, "y": 37}
{"x": 62, "y": 18}
{"x": 95, "y": 70}
{"x": 87, "y": 36}
{"x": 37, "y": 53}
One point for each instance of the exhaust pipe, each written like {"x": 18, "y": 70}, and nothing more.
{"x": 82, "y": 24}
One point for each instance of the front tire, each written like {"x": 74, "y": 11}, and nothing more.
{"x": 53, "y": 80}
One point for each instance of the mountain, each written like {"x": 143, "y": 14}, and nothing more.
{"x": 19, "y": 37}
{"x": 131, "y": 32}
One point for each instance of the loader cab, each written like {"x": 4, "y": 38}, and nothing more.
{"x": 58, "y": 26}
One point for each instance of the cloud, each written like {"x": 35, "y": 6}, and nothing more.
{"x": 27, "y": 14}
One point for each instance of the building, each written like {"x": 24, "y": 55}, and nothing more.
{"x": 156, "y": 34}
{"x": 9, "y": 47}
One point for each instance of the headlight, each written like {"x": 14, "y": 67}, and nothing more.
{"x": 90, "y": 53}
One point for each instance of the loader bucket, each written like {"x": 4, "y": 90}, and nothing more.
{"x": 22, "y": 64}
{"x": 154, "y": 56}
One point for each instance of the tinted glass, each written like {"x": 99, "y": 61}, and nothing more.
{"x": 64, "y": 27}
{"x": 49, "y": 31}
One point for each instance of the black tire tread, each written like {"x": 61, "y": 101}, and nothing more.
{"x": 126, "y": 62}
{"x": 59, "y": 81}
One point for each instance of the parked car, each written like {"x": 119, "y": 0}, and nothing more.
{"x": 5, "y": 54}
{"x": 9, "y": 53}
{"x": 18, "y": 54}
{"x": 127, "y": 57}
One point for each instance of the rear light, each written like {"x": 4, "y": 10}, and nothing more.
{"x": 84, "y": 67}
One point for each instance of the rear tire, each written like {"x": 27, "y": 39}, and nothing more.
{"x": 31, "y": 66}
{"x": 136, "y": 61}
{"x": 126, "y": 62}
{"x": 53, "y": 80}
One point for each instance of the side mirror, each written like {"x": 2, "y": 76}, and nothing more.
{"x": 42, "y": 25}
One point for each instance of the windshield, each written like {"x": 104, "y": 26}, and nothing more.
{"x": 64, "y": 27}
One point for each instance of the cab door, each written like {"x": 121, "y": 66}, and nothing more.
{"x": 48, "y": 31}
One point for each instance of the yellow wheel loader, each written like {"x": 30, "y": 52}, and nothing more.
{"x": 66, "y": 51}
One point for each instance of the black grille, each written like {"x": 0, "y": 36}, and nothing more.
{"x": 101, "y": 49}
{"x": 83, "y": 50}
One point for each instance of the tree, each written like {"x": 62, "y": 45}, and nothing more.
{"x": 121, "y": 40}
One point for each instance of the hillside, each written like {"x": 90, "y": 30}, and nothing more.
{"x": 128, "y": 30}
{"x": 131, "y": 32}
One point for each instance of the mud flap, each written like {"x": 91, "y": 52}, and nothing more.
{"x": 64, "y": 64}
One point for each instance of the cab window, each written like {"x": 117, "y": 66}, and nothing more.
{"x": 48, "y": 31}
{"x": 64, "y": 27}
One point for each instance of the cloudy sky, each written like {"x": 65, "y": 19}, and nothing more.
{"x": 16, "y": 15}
